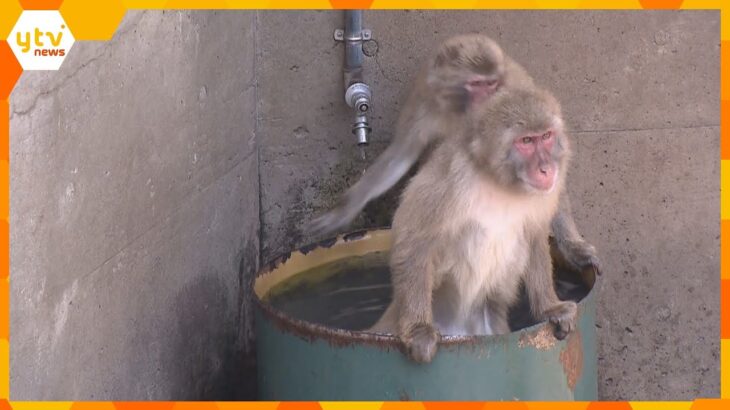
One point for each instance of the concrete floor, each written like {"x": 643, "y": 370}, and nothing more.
{"x": 148, "y": 181}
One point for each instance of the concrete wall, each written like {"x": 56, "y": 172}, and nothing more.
{"x": 135, "y": 204}
{"x": 640, "y": 91}
{"x": 134, "y": 222}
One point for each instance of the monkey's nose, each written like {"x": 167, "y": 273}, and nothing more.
{"x": 543, "y": 177}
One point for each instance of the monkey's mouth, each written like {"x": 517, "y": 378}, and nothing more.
{"x": 528, "y": 186}
{"x": 543, "y": 181}
{"x": 544, "y": 190}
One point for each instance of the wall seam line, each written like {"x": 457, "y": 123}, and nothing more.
{"x": 256, "y": 135}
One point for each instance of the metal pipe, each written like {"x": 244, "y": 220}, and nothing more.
{"x": 357, "y": 93}
{"x": 353, "y": 47}
{"x": 361, "y": 129}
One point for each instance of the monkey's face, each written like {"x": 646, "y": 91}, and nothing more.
{"x": 466, "y": 70}
{"x": 535, "y": 158}
{"x": 520, "y": 142}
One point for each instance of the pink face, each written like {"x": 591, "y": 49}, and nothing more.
{"x": 536, "y": 152}
{"x": 481, "y": 87}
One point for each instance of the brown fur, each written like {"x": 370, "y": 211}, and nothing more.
{"x": 434, "y": 109}
{"x": 469, "y": 230}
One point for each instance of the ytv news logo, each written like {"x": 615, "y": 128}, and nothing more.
{"x": 40, "y": 40}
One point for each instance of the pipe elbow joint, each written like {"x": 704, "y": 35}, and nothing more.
{"x": 358, "y": 97}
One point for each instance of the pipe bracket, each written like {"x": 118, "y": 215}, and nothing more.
{"x": 364, "y": 35}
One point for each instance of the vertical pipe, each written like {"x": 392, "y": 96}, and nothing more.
{"x": 353, "y": 47}
{"x": 357, "y": 96}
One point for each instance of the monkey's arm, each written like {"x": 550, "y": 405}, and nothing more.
{"x": 413, "y": 276}
{"x": 544, "y": 302}
{"x": 385, "y": 172}
{"x": 578, "y": 253}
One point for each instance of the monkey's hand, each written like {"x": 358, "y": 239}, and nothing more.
{"x": 563, "y": 317}
{"x": 580, "y": 255}
{"x": 332, "y": 220}
{"x": 421, "y": 342}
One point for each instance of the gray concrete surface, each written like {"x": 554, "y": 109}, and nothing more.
{"x": 640, "y": 91}
{"x": 135, "y": 171}
{"x": 134, "y": 222}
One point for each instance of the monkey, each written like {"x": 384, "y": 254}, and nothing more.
{"x": 463, "y": 71}
{"x": 473, "y": 223}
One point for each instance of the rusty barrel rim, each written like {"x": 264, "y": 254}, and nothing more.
{"x": 315, "y": 331}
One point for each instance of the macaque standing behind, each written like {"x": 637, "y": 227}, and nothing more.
{"x": 463, "y": 72}
{"x": 473, "y": 225}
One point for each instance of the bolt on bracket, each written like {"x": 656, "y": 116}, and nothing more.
{"x": 364, "y": 35}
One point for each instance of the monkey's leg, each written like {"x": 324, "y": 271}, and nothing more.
{"x": 413, "y": 291}
{"x": 497, "y": 314}
{"x": 578, "y": 253}
{"x": 544, "y": 302}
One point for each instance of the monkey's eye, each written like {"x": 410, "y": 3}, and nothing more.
{"x": 527, "y": 140}
{"x": 547, "y": 135}
{"x": 482, "y": 83}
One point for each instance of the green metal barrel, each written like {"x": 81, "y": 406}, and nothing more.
{"x": 300, "y": 360}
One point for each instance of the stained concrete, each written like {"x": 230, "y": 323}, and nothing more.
{"x": 134, "y": 222}
{"x": 136, "y": 212}
{"x": 640, "y": 92}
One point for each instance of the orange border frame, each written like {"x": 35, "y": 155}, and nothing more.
{"x": 97, "y": 20}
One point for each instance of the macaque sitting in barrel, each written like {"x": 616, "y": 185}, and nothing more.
{"x": 473, "y": 224}
{"x": 464, "y": 72}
